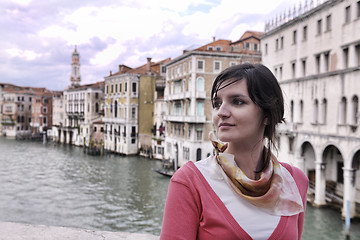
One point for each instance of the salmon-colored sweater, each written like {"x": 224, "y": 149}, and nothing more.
{"x": 194, "y": 211}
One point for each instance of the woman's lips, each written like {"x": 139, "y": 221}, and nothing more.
{"x": 225, "y": 125}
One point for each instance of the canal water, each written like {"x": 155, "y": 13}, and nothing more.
{"x": 60, "y": 185}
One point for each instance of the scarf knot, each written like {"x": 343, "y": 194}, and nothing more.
{"x": 275, "y": 192}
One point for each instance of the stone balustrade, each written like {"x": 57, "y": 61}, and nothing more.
{"x": 21, "y": 231}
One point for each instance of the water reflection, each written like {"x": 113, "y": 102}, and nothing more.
{"x": 60, "y": 185}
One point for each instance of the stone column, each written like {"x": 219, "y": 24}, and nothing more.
{"x": 300, "y": 163}
{"x": 320, "y": 184}
{"x": 349, "y": 191}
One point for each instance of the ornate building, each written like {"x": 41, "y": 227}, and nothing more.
{"x": 315, "y": 54}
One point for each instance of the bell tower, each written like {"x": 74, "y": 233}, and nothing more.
{"x": 75, "y": 68}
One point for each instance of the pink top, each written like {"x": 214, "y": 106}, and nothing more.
{"x": 194, "y": 211}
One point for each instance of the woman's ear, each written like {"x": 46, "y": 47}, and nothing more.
{"x": 266, "y": 120}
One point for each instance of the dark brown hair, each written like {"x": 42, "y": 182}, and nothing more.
{"x": 264, "y": 90}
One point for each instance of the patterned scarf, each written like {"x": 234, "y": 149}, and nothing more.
{"x": 275, "y": 192}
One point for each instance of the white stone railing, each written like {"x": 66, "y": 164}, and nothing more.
{"x": 21, "y": 231}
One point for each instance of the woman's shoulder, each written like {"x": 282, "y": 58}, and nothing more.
{"x": 185, "y": 172}
{"x": 299, "y": 176}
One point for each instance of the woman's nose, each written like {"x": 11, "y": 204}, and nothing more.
{"x": 223, "y": 111}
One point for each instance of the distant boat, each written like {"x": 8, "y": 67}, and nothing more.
{"x": 165, "y": 172}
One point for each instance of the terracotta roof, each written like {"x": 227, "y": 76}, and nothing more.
{"x": 224, "y": 44}
{"x": 143, "y": 69}
{"x": 100, "y": 85}
{"x": 249, "y": 34}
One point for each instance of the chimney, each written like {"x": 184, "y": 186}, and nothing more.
{"x": 213, "y": 38}
{"x": 110, "y": 73}
{"x": 148, "y": 65}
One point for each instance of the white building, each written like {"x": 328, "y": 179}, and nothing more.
{"x": 189, "y": 79}
{"x": 82, "y": 105}
{"x": 315, "y": 54}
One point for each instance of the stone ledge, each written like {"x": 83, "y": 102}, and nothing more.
{"x": 20, "y": 231}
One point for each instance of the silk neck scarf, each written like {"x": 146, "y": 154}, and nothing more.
{"x": 275, "y": 192}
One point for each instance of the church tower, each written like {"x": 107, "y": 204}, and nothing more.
{"x": 75, "y": 68}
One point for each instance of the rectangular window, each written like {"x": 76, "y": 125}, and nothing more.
{"x": 293, "y": 69}
{"x": 317, "y": 63}
{"x": 357, "y": 52}
{"x": 277, "y": 44}
{"x": 347, "y": 14}
{"x": 217, "y": 66}
{"x": 327, "y": 61}
{"x": 328, "y": 23}
{"x": 45, "y": 120}
{"x": 116, "y": 86}
{"x": 346, "y": 57}
{"x": 304, "y": 67}
{"x": 125, "y": 88}
{"x": 294, "y": 37}
{"x": 133, "y": 88}
{"x": 199, "y": 134}
{"x": 133, "y": 135}
{"x": 200, "y": 65}
{"x": 319, "y": 27}
{"x": 120, "y": 85}
{"x": 358, "y": 9}
{"x": 133, "y": 113}
{"x": 266, "y": 48}
{"x": 256, "y": 47}
{"x": 247, "y": 45}
{"x": 282, "y": 42}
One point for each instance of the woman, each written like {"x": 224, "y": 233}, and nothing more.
{"x": 242, "y": 192}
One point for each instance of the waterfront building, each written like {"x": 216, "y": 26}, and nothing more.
{"x": 129, "y": 108}
{"x": 189, "y": 79}
{"x": 58, "y": 115}
{"x": 82, "y": 105}
{"x": 315, "y": 54}
{"x": 41, "y": 112}
{"x": 19, "y": 118}
{"x": 158, "y": 131}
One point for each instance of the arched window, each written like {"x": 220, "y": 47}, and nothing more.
{"x": 198, "y": 154}
{"x": 301, "y": 111}
{"x": 200, "y": 84}
{"x": 355, "y": 110}
{"x": 323, "y": 111}
{"x": 342, "y": 111}
{"x": 316, "y": 111}
{"x": 292, "y": 111}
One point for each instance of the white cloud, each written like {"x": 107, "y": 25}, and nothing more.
{"x": 28, "y": 55}
{"x": 22, "y": 2}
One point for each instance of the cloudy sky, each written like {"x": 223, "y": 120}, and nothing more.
{"x": 38, "y": 36}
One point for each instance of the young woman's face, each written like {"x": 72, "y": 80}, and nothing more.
{"x": 236, "y": 117}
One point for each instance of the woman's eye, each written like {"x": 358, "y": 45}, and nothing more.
{"x": 216, "y": 104}
{"x": 237, "y": 102}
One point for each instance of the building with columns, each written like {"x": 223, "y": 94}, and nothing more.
{"x": 315, "y": 54}
{"x": 83, "y": 106}
{"x": 189, "y": 79}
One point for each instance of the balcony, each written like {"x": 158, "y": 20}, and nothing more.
{"x": 183, "y": 118}
{"x": 201, "y": 94}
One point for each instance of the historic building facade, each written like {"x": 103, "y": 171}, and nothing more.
{"x": 129, "y": 108}
{"x": 83, "y": 105}
{"x": 315, "y": 54}
{"x": 189, "y": 79}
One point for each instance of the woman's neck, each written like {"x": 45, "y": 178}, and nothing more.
{"x": 248, "y": 159}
